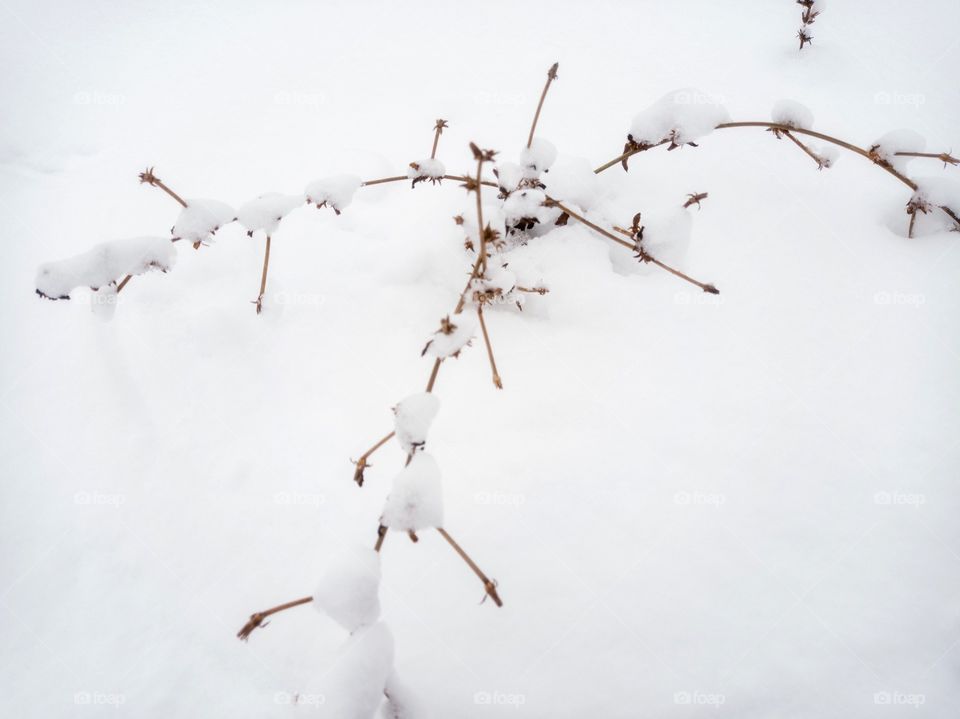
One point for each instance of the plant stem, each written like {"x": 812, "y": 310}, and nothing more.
{"x": 810, "y": 153}
{"x": 256, "y": 619}
{"x": 381, "y": 180}
{"x": 361, "y": 464}
{"x": 633, "y": 246}
{"x": 551, "y": 76}
{"x": 438, "y": 130}
{"x": 486, "y": 339}
{"x": 488, "y": 586}
{"x": 263, "y": 277}
{"x": 483, "y": 235}
{"x": 433, "y": 374}
{"x": 123, "y": 283}
{"x": 381, "y": 536}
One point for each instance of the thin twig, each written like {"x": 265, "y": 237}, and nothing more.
{"x": 124, "y": 282}
{"x": 489, "y": 586}
{"x": 381, "y": 536}
{"x": 263, "y": 278}
{"x": 821, "y": 163}
{"x": 438, "y": 130}
{"x": 486, "y": 339}
{"x": 945, "y": 157}
{"x": 361, "y": 464}
{"x": 149, "y": 178}
{"x": 551, "y": 76}
{"x": 256, "y": 620}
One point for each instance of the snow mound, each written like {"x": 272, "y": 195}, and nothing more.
{"x": 349, "y": 590}
{"x": 679, "y": 117}
{"x": 939, "y": 191}
{"x": 454, "y": 334}
{"x": 265, "y": 212}
{"x": 103, "y": 264}
{"x": 509, "y": 176}
{"x": 573, "y": 181}
{"x": 335, "y": 192}
{"x": 201, "y": 218}
{"x": 353, "y": 688}
{"x": 416, "y": 498}
{"x": 412, "y": 419}
{"x": 538, "y": 158}
{"x": 792, "y": 114}
{"x": 524, "y": 204}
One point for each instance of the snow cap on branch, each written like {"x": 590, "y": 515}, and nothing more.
{"x": 197, "y": 222}
{"x": 509, "y": 176}
{"x": 335, "y": 192}
{"x": 538, "y": 158}
{"x": 427, "y": 169}
{"x": 416, "y": 497}
{"x": 454, "y": 334}
{"x": 413, "y": 416}
{"x": 105, "y": 263}
{"x": 792, "y": 114}
{"x": 904, "y": 140}
{"x": 680, "y": 117}
{"x": 265, "y": 212}
{"x": 349, "y": 590}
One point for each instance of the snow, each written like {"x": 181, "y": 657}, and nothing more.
{"x": 679, "y": 117}
{"x": 792, "y": 114}
{"x": 538, "y": 158}
{"x": 525, "y": 204}
{"x": 573, "y": 182}
{"x": 200, "y": 219}
{"x": 348, "y": 592}
{"x": 265, "y": 212}
{"x": 685, "y": 498}
{"x": 335, "y": 192}
{"x": 353, "y": 688}
{"x": 413, "y": 416}
{"x": 416, "y": 497}
{"x": 903, "y": 140}
{"x": 426, "y": 169}
{"x": 454, "y": 334}
{"x": 103, "y": 264}
{"x": 509, "y": 176}
{"x": 939, "y": 190}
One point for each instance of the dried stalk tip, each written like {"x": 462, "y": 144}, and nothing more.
{"x": 148, "y": 177}
{"x": 552, "y": 72}
{"x": 710, "y": 289}
{"x": 482, "y": 155}
{"x": 490, "y": 587}
{"x": 360, "y": 465}
{"x": 256, "y": 620}
{"x": 440, "y": 125}
{"x": 694, "y": 199}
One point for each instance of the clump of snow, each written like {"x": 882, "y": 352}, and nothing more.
{"x": 335, "y": 192}
{"x": 103, "y": 264}
{"x": 939, "y": 191}
{"x": 454, "y": 334}
{"x": 416, "y": 497}
{"x": 792, "y": 114}
{"x": 400, "y": 701}
{"x": 428, "y": 169}
{"x": 265, "y": 212}
{"x": 538, "y": 158}
{"x": 103, "y": 302}
{"x": 828, "y": 154}
{"x": 573, "y": 181}
{"x": 353, "y": 688}
{"x": 509, "y": 176}
{"x": 497, "y": 286}
{"x": 680, "y": 117}
{"x": 412, "y": 419}
{"x": 667, "y": 234}
{"x": 525, "y": 204}
{"x": 197, "y": 222}
{"x": 349, "y": 590}
{"x": 904, "y": 140}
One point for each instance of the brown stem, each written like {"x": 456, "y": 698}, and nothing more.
{"x": 256, "y": 620}
{"x": 810, "y": 153}
{"x": 551, "y": 76}
{"x": 629, "y": 153}
{"x": 149, "y": 178}
{"x": 633, "y": 246}
{"x": 483, "y": 234}
{"x": 438, "y": 130}
{"x": 945, "y": 157}
{"x": 381, "y": 180}
{"x": 381, "y": 536}
{"x": 489, "y": 586}
{"x": 361, "y": 464}
{"x": 486, "y": 339}
{"x": 433, "y": 374}
{"x": 124, "y": 282}
{"x": 263, "y": 277}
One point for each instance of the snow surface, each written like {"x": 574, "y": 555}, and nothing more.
{"x": 684, "y": 498}
{"x": 416, "y": 497}
{"x": 105, "y": 263}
